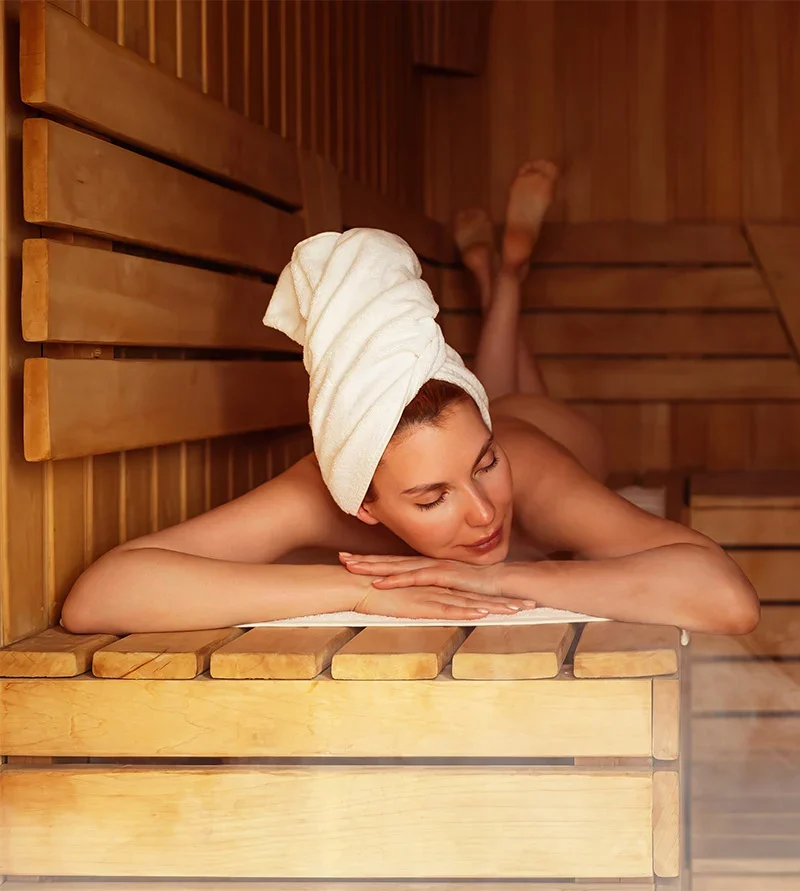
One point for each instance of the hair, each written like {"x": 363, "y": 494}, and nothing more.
{"x": 429, "y": 406}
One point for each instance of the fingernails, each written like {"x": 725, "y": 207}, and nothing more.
{"x": 344, "y": 554}
{"x": 529, "y": 602}
{"x": 512, "y": 606}
{"x": 481, "y": 610}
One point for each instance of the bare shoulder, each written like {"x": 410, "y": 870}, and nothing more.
{"x": 290, "y": 512}
{"x": 561, "y": 507}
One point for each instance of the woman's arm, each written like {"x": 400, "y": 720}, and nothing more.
{"x": 631, "y": 564}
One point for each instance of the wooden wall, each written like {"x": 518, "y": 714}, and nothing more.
{"x": 325, "y": 74}
{"x": 656, "y": 112}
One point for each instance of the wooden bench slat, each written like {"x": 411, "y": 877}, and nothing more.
{"x": 442, "y": 717}
{"x": 664, "y": 380}
{"x": 611, "y": 243}
{"x": 75, "y": 294}
{"x": 748, "y": 484}
{"x": 666, "y": 718}
{"x": 174, "y": 655}
{"x": 745, "y": 738}
{"x": 751, "y": 686}
{"x": 756, "y": 526}
{"x": 236, "y": 885}
{"x": 279, "y": 653}
{"x": 667, "y": 838}
{"x": 774, "y": 574}
{"x": 621, "y": 289}
{"x": 622, "y": 649}
{"x": 69, "y": 69}
{"x": 55, "y": 653}
{"x": 69, "y": 176}
{"x": 506, "y": 653}
{"x": 778, "y": 634}
{"x": 364, "y": 207}
{"x": 633, "y": 334}
{"x": 777, "y": 249}
{"x": 77, "y": 407}
{"x": 334, "y": 821}
{"x": 397, "y": 653}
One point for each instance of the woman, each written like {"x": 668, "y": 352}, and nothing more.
{"x": 452, "y": 496}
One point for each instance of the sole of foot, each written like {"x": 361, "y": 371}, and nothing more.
{"x": 530, "y": 197}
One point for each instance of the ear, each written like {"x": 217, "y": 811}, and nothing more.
{"x": 366, "y": 517}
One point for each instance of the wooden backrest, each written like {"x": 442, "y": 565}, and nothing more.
{"x": 202, "y": 209}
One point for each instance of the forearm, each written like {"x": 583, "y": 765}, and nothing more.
{"x": 690, "y": 586}
{"x": 151, "y": 589}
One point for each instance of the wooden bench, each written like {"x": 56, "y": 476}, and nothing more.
{"x": 417, "y": 754}
{"x": 745, "y": 703}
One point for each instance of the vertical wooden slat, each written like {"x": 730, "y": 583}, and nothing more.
{"x": 789, "y": 98}
{"x": 103, "y": 18}
{"x": 234, "y": 54}
{"x": 255, "y": 59}
{"x": 191, "y": 49}
{"x": 730, "y": 436}
{"x": 165, "y": 18}
{"x": 273, "y": 66}
{"x": 213, "y": 76}
{"x": 136, "y": 23}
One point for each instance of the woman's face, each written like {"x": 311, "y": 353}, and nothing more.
{"x": 446, "y": 490}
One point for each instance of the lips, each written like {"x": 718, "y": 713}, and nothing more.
{"x": 490, "y": 542}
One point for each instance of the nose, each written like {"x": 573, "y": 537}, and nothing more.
{"x": 480, "y": 511}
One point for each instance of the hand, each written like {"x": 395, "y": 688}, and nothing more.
{"x": 432, "y": 603}
{"x": 404, "y": 572}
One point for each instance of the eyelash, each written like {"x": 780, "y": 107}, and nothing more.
{"x": 440, "y": 499}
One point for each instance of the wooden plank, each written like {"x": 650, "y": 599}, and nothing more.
{"x": 622, "y": 649}
{"x": 176, "y": 655}
{"x": 82, "y": 407}
{"x": 756, "y": 484}
{"x": 774, "y": 574}
{"x": 778, "y": 634}
{"x": 54, "y": 653}
{"x": 674, "y": 244}
{"x": 504, "y": 653}
{"x": 633, "y": 334}
{"x": 321, "y": 199}
{"x": 295, "y": 718}
{"x": 746, "y": 738}
{"x": 68, "y": 177}
{"x": 666, "y": 823}
{"x": 743, "y": 502}
{"x": 666, "y": 718}
{"x": 623, "y": 288}
{"x": 754, "y": 882}
{"x": 397, "y": 653}
{"x": 234, "y": 885}
{"x": 523, "y": 822}
{"x": 69, "y": 70}
{"x": 751, "y": 686}
{"x": 759, "y": 526}
{"x": 279, "y": 653}
{"x": 73, "y": 294}
{"x": 662, "y": 380}
{"x": 776, "y": 249}
{"x": 364, "y": 207}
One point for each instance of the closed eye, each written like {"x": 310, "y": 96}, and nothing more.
{"x": 440, "y": 499}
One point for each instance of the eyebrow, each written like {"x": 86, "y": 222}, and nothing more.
{"x": 430, "y": 487}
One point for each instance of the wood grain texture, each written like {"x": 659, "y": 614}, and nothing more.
{"x": 83, "y": 407}
{"x": 621, "y": 649}
{"x": 504, "y": 653}
{"x": 777, "y": 249}
{"x": 69, "y": 176}
{"x": 222, "y": 885}
{"x": 666, "y": 718}
{"x": 55, "y": 653}
{"x": 745, "y": 686}
{"x": 616, "y": 810}
{"x": 666, "y": 823}
{"x": 777, "y": 636}
{"x": 326, "y": 717}
{"x": 756, "y": 526}
{"x": 774, "y": 574}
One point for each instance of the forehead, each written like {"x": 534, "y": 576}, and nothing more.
{"x": 429, "y": 450}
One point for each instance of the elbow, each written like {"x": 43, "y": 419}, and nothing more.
{"x": 88, "y": 608}
{"x": 735, "y": 609}
{"x": 744, "y": 614}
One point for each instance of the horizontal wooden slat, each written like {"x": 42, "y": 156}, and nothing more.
{"x": 755, "y": 484}
{"x": 329, "y": 821}
{"x": 658, "y": 380}
{"x": 748, "y": 737}
{"x": 755, "y": 881}
{"x": 740, "y": 856}
{"x": 75, "y": 294}
{"x": 236, "y": 885}
{"x": 676, "y": 244}
{"x": 396, "y": 653}
{"x": 634, "y": 334}
{"x": 505, "y": 653}
{"x": 76, "y": 181}
{"x": 621, "y": 649}
{"x": 243, "y": 718}
{"x": 621, "y": 289}
{"x": 778, "y": 634}
{"x": 176, "y": 656}
{"x": 774, "y": 574}
{"x": 279, "y": 653}
{"x": 55, "y": 653}
{"x": 89, "y": 407}
{"x": 72, "y": 71}
{"x": 758, "y": 526}
{"x": 746, "y": 687}
{"x": 365, "y": 207}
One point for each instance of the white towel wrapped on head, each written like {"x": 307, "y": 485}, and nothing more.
{"x": 357, "y": 305}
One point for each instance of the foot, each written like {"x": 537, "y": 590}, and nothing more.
{"x": 472, "y": 230}
{"x": 530, "y": 197}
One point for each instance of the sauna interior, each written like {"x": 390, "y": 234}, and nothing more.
{"x": 160, "y": 158}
